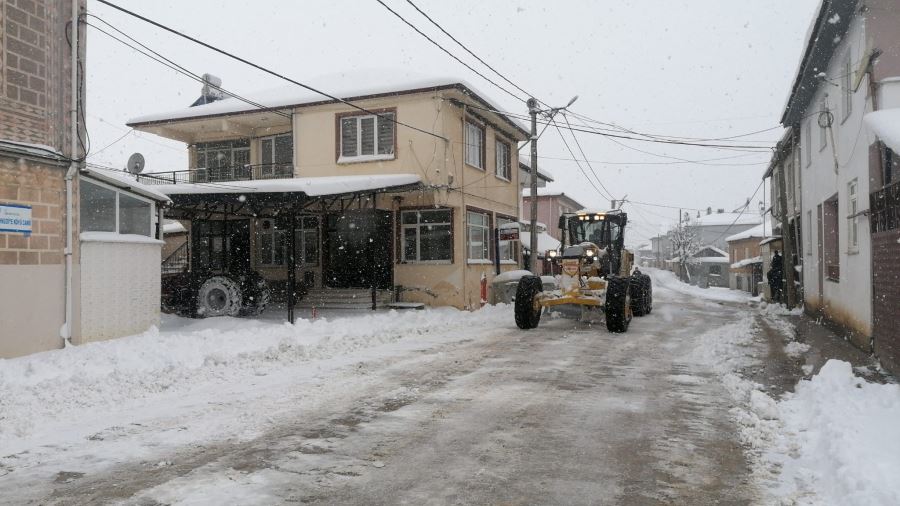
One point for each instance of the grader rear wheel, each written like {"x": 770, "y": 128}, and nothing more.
{"x": 528, "y": 314}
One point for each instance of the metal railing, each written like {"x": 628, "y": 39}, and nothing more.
{"x": 178, "y": 261}
{"x": 884, "y": 206}
{"x": 220, "y": 174}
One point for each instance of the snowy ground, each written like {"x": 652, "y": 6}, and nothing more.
{"x": 442, "y": 406}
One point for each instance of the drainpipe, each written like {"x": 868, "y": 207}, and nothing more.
{"x": 66, "y": 330}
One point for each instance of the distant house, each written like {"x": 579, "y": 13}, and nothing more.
{"x": 709, "y": 267}
{"x": 551, "y": 205}
{"x": 713, "y": 228}
{"x": 398, "y": 193}
{"x": 746, "y": 269}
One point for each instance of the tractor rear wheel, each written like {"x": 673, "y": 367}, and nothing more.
{"x": 639, "y": 294}
{"x": 648, "y": 290}
{"x": 618, "y": 312}
{"x": 527, "y": 314}
{"x": 219, "y": 296}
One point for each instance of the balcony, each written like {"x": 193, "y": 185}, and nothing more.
{"x": 220, "y": 174}
{"x": 884, "y": 206}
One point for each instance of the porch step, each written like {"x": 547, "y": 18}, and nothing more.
{"x": 339, "y": 298}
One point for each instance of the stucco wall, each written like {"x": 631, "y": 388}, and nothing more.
{"x": 848, "y": 301}
{"x": 120, "y": 289}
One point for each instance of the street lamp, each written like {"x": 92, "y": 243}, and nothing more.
{"x": 533, "y": 110}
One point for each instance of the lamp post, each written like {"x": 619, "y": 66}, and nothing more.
{"x": 533, "y": 111}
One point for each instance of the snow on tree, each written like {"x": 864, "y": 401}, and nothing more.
{"x": 685, "y": 244}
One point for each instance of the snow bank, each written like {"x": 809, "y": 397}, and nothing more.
{"x": 845, "y": 437}
{"x": 667, "y": 280}
{"x": 40, "y": 389}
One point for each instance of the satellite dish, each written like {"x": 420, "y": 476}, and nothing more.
{"x": 135, "y": 163}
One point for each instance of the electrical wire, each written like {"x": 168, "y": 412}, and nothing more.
{"x": 266, "y": 70}
{"x": 104, "y": 148}
{"x": 561, "y": 136}
{"x": 575, "y": 137}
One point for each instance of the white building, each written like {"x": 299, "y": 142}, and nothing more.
{"x": 848, "y": 69}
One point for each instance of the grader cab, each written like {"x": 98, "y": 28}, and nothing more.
{"x": 598, "y": 274}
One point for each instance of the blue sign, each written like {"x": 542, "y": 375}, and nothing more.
{"x": 15, "y": 218}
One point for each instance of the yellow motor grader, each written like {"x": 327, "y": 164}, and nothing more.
{"x": 597, "y": 274}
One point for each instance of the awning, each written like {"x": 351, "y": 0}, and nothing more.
{"x": 125, "y": 181}
{"x": 310, "y": 186}
{"x": 886, "y": 125}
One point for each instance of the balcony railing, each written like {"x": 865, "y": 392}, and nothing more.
{"x": 219, "y": 174}
{"x": 884, "y": 206}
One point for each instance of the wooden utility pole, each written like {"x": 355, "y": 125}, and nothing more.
{"x": 532, "y": 258}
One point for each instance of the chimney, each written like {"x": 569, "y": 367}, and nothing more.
{"x": 721, "y": 211}
{"x": 708, "y": 211}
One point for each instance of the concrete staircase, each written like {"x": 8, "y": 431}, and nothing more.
{"x": 344, "y": 298}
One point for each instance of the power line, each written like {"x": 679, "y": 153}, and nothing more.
{"x": 575, "y": 137}
{"x": 266, "y": 70}
{"x": 95, "y": 153}
{"x": 442, "y": 48}
{"x": 561, "y": 136}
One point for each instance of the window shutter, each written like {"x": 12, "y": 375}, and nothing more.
{"x": 349, "y": 137}
{"x": 367, "y": 131}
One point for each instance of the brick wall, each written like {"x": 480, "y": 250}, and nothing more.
{"x": 886, "y": 297}
{"x": 43, "y": 188}
{"x": 34, "y": 71}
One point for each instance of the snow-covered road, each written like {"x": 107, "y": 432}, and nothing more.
{"x": 420, "y": 407}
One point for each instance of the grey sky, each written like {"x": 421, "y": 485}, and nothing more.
{"x": 698, "y": 68}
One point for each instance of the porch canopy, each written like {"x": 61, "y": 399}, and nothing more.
{"x": 270, "y": 198}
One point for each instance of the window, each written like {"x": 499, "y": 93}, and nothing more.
{"x": 503, "y": 157}
{"x": 474, "y": 142}
{"x": 831, "y": 239}
{"x": 715, "y": 270}
{"x": 890, "y": 166}
{"x": 809, "y": 227}
{"x": 427, "y": 235}
{"x": 478, "y": 236}
{"x": 508, "y": 250}
{"x": 276, "y": 156}
{"x": 847, "y": 87}
{"x": 807, "y": 141}
{"x": 273, "y": 242}
{"x": 105, "y": 209}
{"x": 221, "y": 155}
{"x": 852, "y": 219}
{"x": 369, "y": 137}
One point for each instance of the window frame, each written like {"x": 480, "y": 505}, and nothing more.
{"x": 852, "y": 217}
{"x": 488, "y": 236}
{"x": 116, "y": 211}
{"x": 281, "y": 234}
{"x": 268, "y": 169}
{"x": 483, "y": 140}
{"x": 514, "y": 256}
{"x": 501, "y": 146}
{"x": 339, "y": 118}
{"x": 401, "y": 227}
{"x": 847, "y": 86}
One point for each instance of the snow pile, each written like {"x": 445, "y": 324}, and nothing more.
{"x": 795, "y": 349}
{"x": 667, "y": 280}
{"x": 844, "y": 438}
{"x": 40, "y": 389}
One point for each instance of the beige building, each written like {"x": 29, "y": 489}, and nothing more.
{"x": 400, "y": 192}
{"x": 108, "y": 284}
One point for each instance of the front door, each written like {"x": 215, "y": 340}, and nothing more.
{"x": 357, "y": 247}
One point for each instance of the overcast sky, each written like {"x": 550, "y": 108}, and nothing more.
{"x": 691, "y": 68}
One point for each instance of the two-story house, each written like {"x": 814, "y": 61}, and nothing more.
{"x": 551, "y": 204}
{"x": 396, "y": 186}
{"x": 848, "y": 78}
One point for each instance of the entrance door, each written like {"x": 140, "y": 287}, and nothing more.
{"x": 358, "y": 250}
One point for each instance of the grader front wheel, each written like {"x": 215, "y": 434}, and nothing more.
{"x": 618, "y": 312}
{"x": 527, "y": 309}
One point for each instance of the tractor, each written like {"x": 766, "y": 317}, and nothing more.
{"x": 597, "y": 274}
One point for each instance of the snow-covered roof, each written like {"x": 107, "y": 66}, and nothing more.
{"x": 886, "y": 125}
{"x": 546, "y": 242}
{"x": 711, "y": 260}
{"x": 712, "y": 249}
{"x": 543, "y": 192}
{"x": 41, "y": 150}
{"x": 311, "y": 186}
{"x": 757, "y": 231}
{"x": 354, "y": 85}
{"x": 126, "y": 181}
{"x": 542, "y": 173}
{"x": 746, "y": 218}
{"x": 173, "y": 227}
{"x": 767, "y": 240}
{"x": 745, "y": 262}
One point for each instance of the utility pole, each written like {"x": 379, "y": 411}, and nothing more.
{"x": 532, "y": 258}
